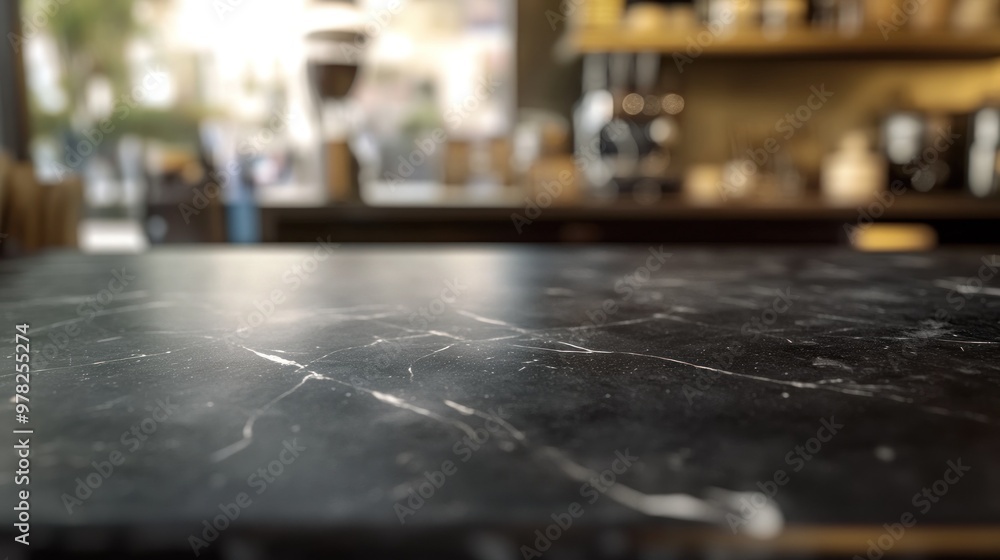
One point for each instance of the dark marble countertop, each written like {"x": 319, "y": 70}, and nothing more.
{"x": 497, "y": 381}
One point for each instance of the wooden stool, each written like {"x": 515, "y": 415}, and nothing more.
{"x": 34, "y": 216}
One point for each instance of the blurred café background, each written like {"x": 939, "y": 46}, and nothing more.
{"x": 132, "y": 123}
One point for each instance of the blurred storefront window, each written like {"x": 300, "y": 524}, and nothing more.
{"x": 151, "y": 101}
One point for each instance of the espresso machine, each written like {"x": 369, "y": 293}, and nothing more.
{"x": 334, "y": 42}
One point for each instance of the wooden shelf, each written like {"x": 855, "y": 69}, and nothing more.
{"x": 808, "y": 43}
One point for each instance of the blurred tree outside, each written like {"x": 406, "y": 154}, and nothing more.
{"x": 91, "y": 36}
{"x": 89, "y": 56}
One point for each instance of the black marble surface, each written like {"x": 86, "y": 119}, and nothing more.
{"x": 710, "y": 367}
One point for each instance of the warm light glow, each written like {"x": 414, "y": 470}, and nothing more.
{"x": 895, "y": 238}
{"x": 673, "y": 104}
{"x": 633, "y": 104}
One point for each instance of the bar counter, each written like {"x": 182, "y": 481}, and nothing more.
{"x": 471, "y": 401}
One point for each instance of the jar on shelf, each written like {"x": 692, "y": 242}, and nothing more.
{"x": 975, "y": 15}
